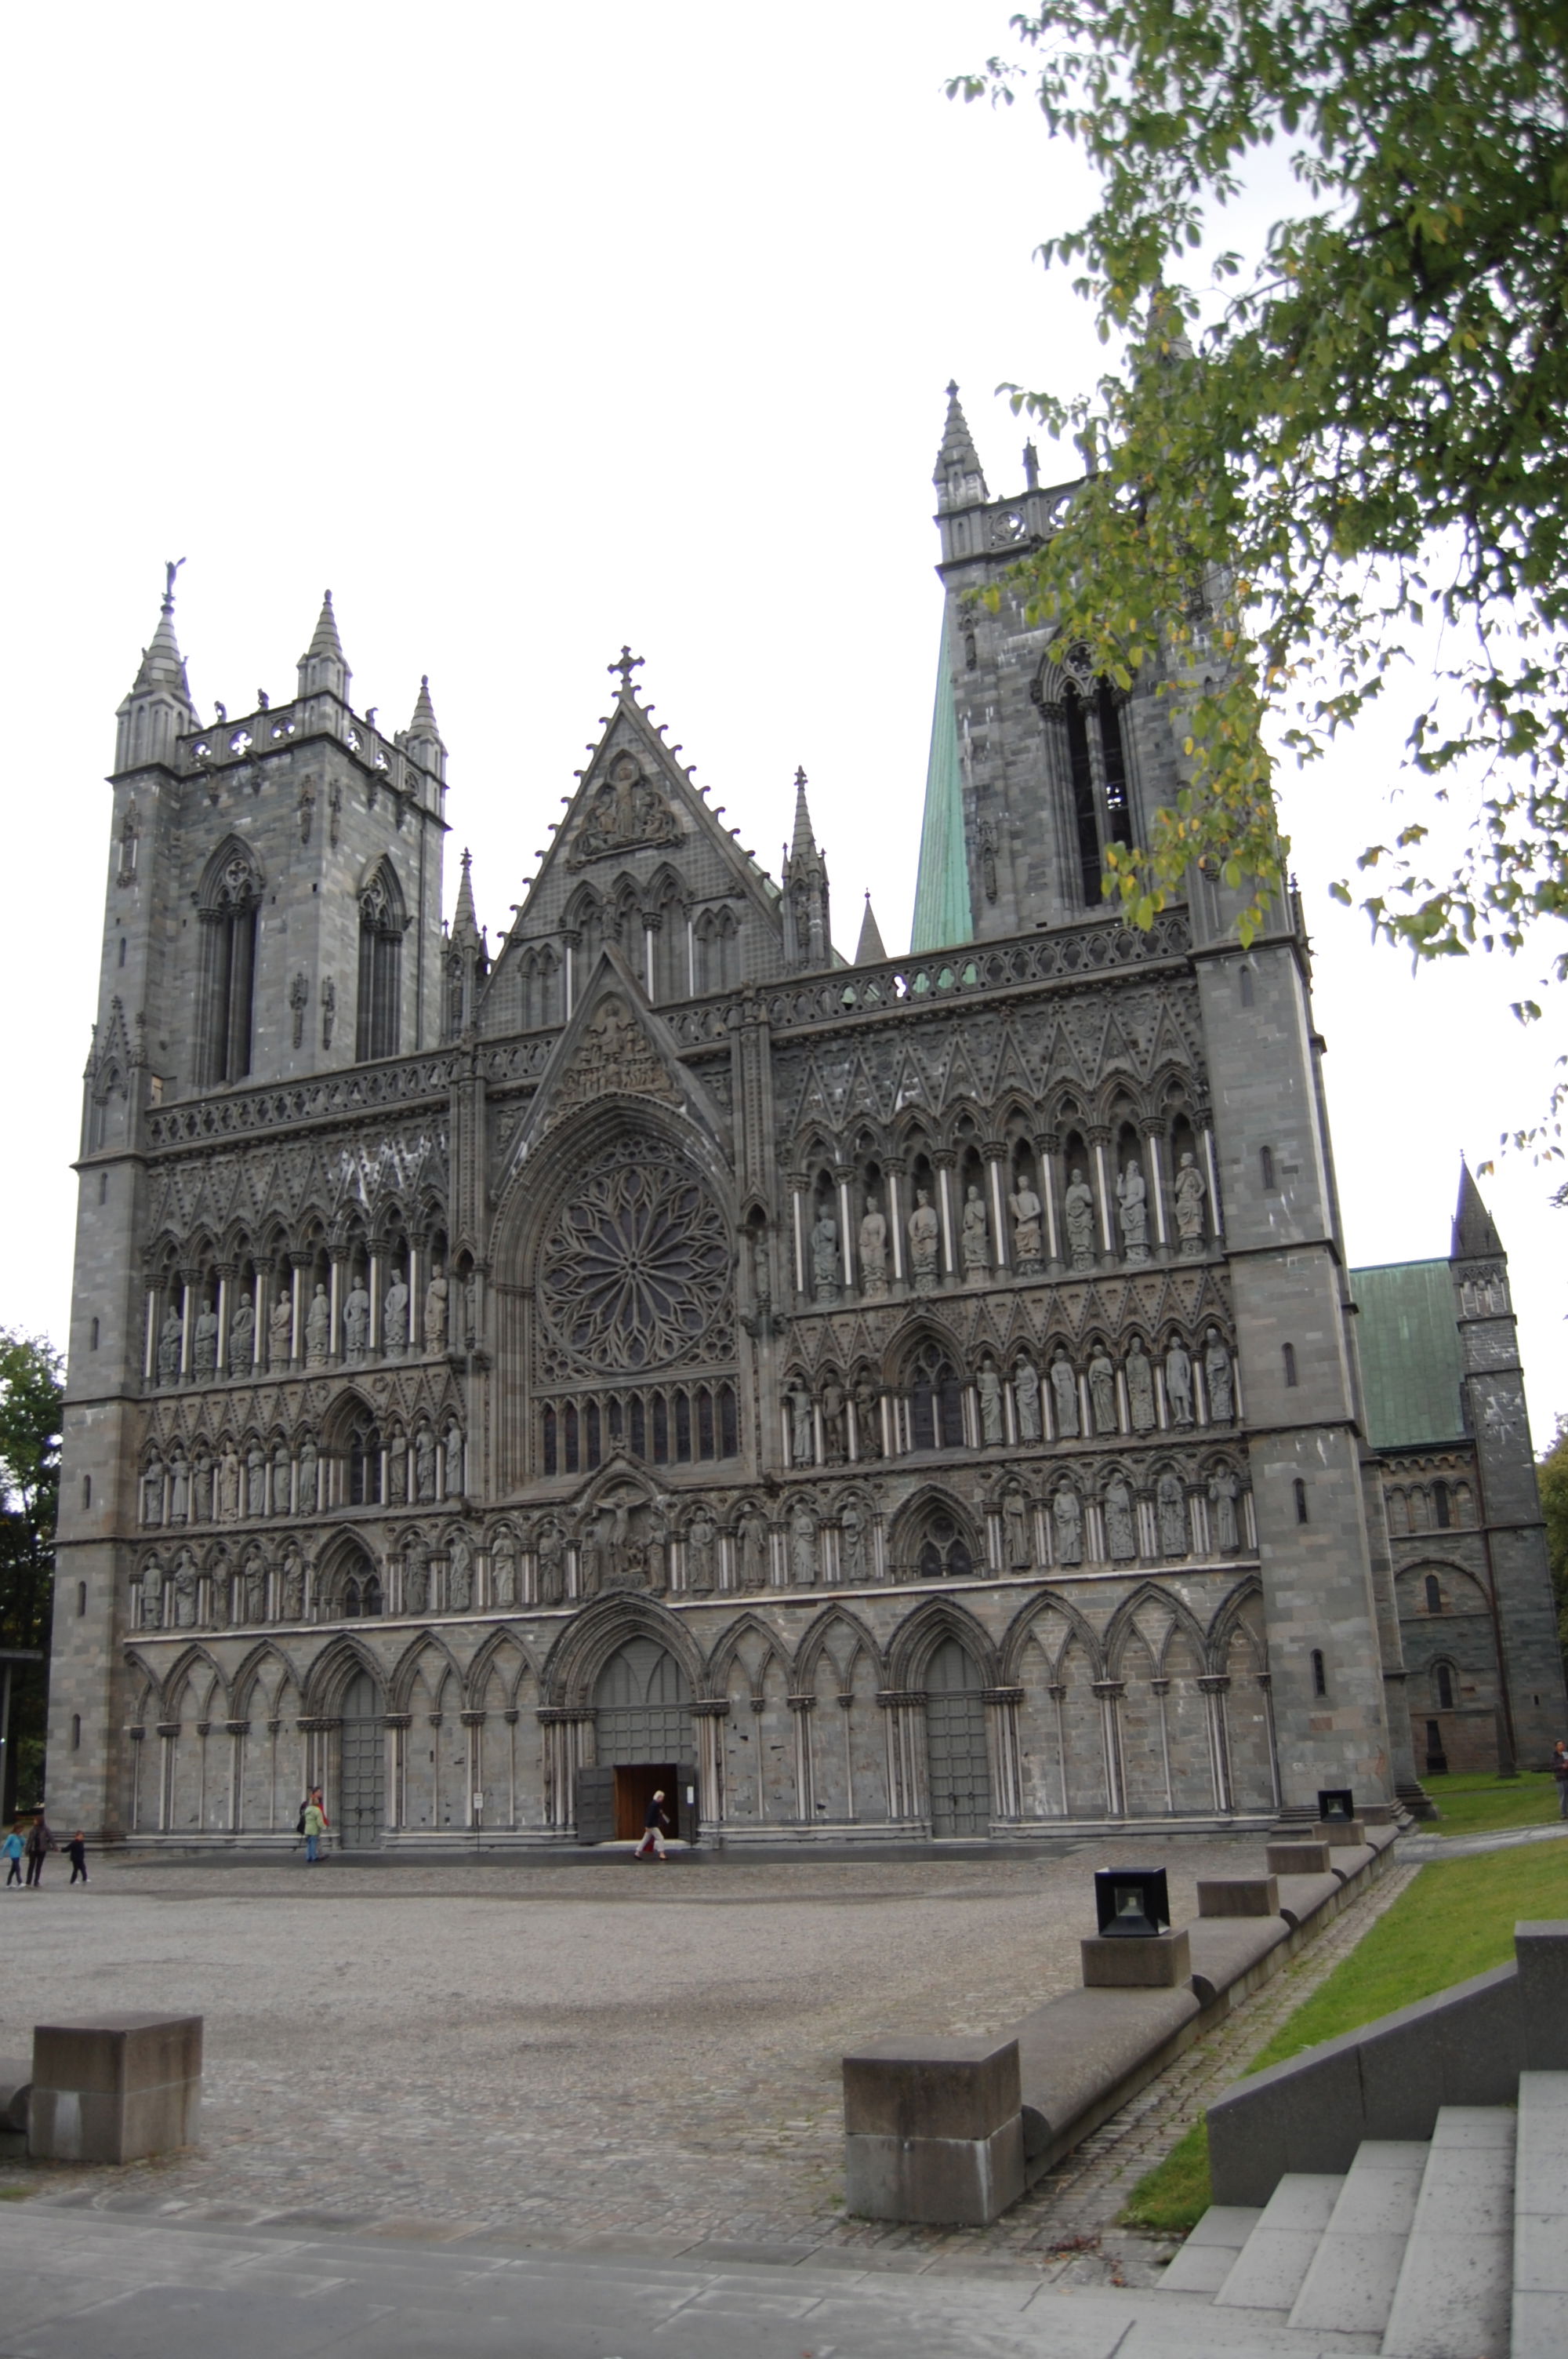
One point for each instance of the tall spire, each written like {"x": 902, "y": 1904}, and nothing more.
{"x": 465, "y": 927}
{"x": 1474, "y": 1232}
{"x": 869, "y": 950}
{"x": 959, "y": 482}
{"x": 422, "y": 736}
{"x": 942, "y": 913}
{"x": 801, "y": 843}
{"x": 159, "y": 707}
{"x": 808, "y": 940}
{"x": 324, "y": 667}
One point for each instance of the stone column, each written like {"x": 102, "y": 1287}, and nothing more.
{"x": 1100, "y": 1139}
{"x": 187, "y": 1321}
{"x": 335, "y": 1294}
{"x": 1154, "y": 1138}
{"x": 1001, "y": 1228}
{"x": 571, "y": 942}
{"x": 650, "y": 927}
{"x": 1047, "y": 1146}
{"x": 893, "y": 1168}
{"x": 1161, "y": 1689}
{"x": 1002, "y": 1714}
{"x": 1110, "y": 1692}
{"x": 802, "y": 1707}
{"x": 946, "y": 1162}
{"x": 709, "y": 1713}
{"x": 1204, "y": 1120}
{"x": 416, "y": 1298}
{"x": 1215, "y": 1686}
{"x": 797, "y": 1228}
{"x": 905, "y": 1713}
{"x": 225, "y": 1271}
{"x": 397, "y": 1725}
{"x": 372, "y": 1287}
{"x": 1265, "y": 1683}
{"x": 475, "y": 1723}
{"x": 301, "y": 1263}
{"x": 843, "y": 1174}
{"x": 150, "y": 1345}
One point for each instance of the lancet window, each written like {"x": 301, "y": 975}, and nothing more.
{"x": 665, "y": 1425}
{"x": 228, "y": 912}
{"x": 1097, "y": 780}
{"x": 381, "y": 961}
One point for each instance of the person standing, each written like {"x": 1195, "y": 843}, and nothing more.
{"x": 13, "y": 1848}
{"x": 1560, "y": 1771}
{"x": 76, "y": 1852}
{"x": 655, "y": 1827}
{"x": 315, "y": 1827}
{"x": 41, "y": 1843}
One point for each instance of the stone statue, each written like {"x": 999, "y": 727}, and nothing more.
{"x": 801, "y": 1545}
{"x": 988, "y": 1385}
{"x": 503, "y": 1576}
{"x": 824, "y": 1256}
{"x": 1065, "y": 1391}
{"x": 201, "y": 1487}
{"x": 1191, "y": 1191}
{"x": 976, "y": 1241}
{"x": 282, "y": 1481}
{"x": 293, "y": 1590}
{"x": 1015, "y": 1529}
{"x": 436, "y": 1313}
{"x": 753, "y": 1535}
{"x": 242, "y": 1338}
{"x": 1121, "y": 1543}
{"x": 1222, "y": 1492}
{"x": 454, "y": 1460}
{"x": 851, "y": 1543}
{"x": 1140, "y": 1389}
{"x": 168, "y": 1341}
{"x": 152, "y": 1493}
{"x": 552, "y": 1562}
{"x": 229, "y": 1485}
{"x": 700, "y": 1537}
{"x": 395, "y": 1316}
{"x": 1102, "y": 1390}
{"x": 470, "y": 1311}
{"x": 280, "y": 1330}
{"x": 868, "y": 1419}
{"x": 204, "y": 1344}
{"x": 762, "y": 1269}
{"x": 1027, "y": 1398}
{"x": 833, "y": 1430}
{"x": 873, "y": 1244}
{"x": 184, "y": 1595}
{"x": 1170, "y": 1506}
{"x": 1179, "y": 1382}
{"x": 1067, "y": 1516}
{"x": 1221, "y": 1389}
{"x": 460, "y": 1578}
{"x": 255, "y": 1480}
{"x": 802, "y": 1438}
{"x": 356, "y": 1321}
{"x": 1079, "y": 1206}
{"x": 255, "y": 1592}
{"x": 1132, "y": 1195}
{"x": 152, "y": 1600}
{"x": 178, "y": 1488}
{"x": 924, "y": 1238}
{"x": 309, "y": 1475}
{"x": 415, "y": 1586}
{"x": 1026, "y": 1210}
{"x": 318, "y": 1328}
{"x": 424, "y": 1466}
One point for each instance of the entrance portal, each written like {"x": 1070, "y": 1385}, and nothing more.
{"x": 958, "y": 1770}
{"x": 364, "y": 1753}
{"x": 634, "y": 1790}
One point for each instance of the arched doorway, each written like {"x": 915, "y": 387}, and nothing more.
{"x": 360, "y": 1806}
{"x": 958, "y": 1770}
{"x": 643, "y": 1741}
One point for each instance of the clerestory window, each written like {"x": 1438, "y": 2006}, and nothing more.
{"x": 380, "y": 966}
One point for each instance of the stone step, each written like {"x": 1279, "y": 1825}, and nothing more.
{"x": 1271, "y": 2266}
{"x": 1349, "y": 2286}
{"x": 1540, "y": 2218}
{"x": 1207, "y": 2257}
{"x": 1452, "y": 2299}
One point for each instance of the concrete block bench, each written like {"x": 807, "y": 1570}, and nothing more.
{"x": 113, "y": 2088}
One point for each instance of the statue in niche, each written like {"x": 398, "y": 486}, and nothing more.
{"x": 1026, "y": 1396}
{"x": 801, "y": 1545}
{"x": 552, "y": 1565}
{"x": 873, "y": 1242}
{"x": 834, "y": 1403}
{"x": 1170, "y": 1506}
{"x": 751, "y": 1534}
{"x": 152, "y": 1600}
{"x": 395, "y": 1316}
{"x": 852, "y": 1543}
{"x": 1119, "y": 1541}
{"x": 454, "y": 1460}
{"x": 242, "y": 1338}
{"x": 282, "y": 1481}
{"x": 700, "y": 1537}
{"x": 229, "y": 1472}
{"x": 592, "y": 1541}
{"x": 152, "y": 1493}
{"x": 801, "y": 1437}
{"x": 460, "y": 1578}
{"x": 625, "y": 809}
{"x": 470, "y": 1311}
{"x": 1141, "y": 1390}
{"x": 356, "y": 1321}
{"x": 824, "y": 1256}
{"x": 396, "y": 1468}
{"x": 1065, "y": 1391}
{"x": 868, "y": 1419}
{"x": 415, "y": 1586}
{"x": 1015, "y": 1530}
{"x": 168, "y": 1340}
{"x": 178, "y": 1488}
{"x": 255, "y": 1480}
{"x": 987, "y": 1388}
{"x": 1079, "y": 1204}
{"x": 436, "y": 1312}
{"x": 1190, "y": 1191}
{"x": 1217, "y": 1368}
{"x": 503, "y": 1576}
{"x": 925, "y": 1239}
{"x": 204, "y": 1344}
{"x": 1026, "y": 1210}
{"x": 318, "y": 1328}
{"x": 1102, "y": 1390}
{"x": 762, "y": 1269}
{"x": 255, "y": 1592}
{"x": 1179, "y": 1382}
{"x": 293, "y": 1604}
{"x": 184, "y": 1595}
{"x": 1067, "y": 1516}
{"x": 976, "y": 1242}
{"x": 1132, "y": 1196}
{"x": 309, "y": 1475}
{"x": 424, "y": 1466}
{"x": 201, "y": 1487}
{"x": 280, "y": 1330}
{"x": 1223, "y": 1489}
{"x": 218, "y": 1599}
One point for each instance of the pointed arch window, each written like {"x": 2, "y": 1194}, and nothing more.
{"x": 364, "y": 1464}
{"x": 1098, "y": 778}
{"x": 936, "y": 1403}
{"x": 380, "y": 966}
{"x": 227, "y": 909}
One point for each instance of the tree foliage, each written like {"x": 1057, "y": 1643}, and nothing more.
{"x": 1360, "y": 430}
{"x": 31, "y": 1398}
{"x": 1552, "y": 1471}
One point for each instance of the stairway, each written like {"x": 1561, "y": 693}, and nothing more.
{"x": 1456, "y": 2248}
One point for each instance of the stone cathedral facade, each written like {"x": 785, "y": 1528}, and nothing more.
{"x": 910, "y": 1397}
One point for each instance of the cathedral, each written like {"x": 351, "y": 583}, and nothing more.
{"x": 898, "y": 1397}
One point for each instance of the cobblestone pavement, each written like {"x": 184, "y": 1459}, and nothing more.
{"x": 633, "y": 2058}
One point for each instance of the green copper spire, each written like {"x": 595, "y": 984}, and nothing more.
{"x": 942, "y": 885}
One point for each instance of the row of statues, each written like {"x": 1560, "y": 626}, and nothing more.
{"x": 240, "y": 1357}
{"x": 224, "y": 1488}
{"x": 976, "y": 1243}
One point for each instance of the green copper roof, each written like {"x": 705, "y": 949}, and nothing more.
{"x": 942, "y": 886}
{"x": 1409, "y": 1352}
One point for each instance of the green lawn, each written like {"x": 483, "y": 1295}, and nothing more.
{"x": 1457, "y": 1919}
{"x": 1480, "y": 1802}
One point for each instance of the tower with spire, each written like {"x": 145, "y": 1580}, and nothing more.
{"x": 808, "y": 940}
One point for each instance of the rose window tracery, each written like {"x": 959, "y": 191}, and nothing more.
{"x": 634, "y": 1273}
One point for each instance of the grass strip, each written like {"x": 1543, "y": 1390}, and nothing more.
{"x": 1479, "y": 1802}
{"x": 1457, "y": 1919}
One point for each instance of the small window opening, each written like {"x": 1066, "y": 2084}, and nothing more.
{"x": 1245, "y": 987}
{"x": 1300, "y": 1500}
{"x": 87, "y": 1490}
{"x": 81, "y": 1599}
{"x": 76, "y": 1731}
{"x": 1288, "y": 1352}
{"x": 1444, "y": 1688}
{"x": 92, "y": 1343}
{"x": 1319, "y": 1672}
{"x": 1434, "y": 1593}
{"x": 122, "y": 950}
{"x": 1265, "y": 1159}
{"x": 102, "y": 1187}
{"x": 1441, "y": 1505}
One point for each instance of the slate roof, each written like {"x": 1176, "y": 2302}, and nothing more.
{"x": 1410, "y": 1360}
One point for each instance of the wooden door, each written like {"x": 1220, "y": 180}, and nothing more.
{"x": 595, "y": 1798}
{"x": 958, "y": 1770}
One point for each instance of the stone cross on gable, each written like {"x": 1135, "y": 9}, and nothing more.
{"x": 626, "y": 665}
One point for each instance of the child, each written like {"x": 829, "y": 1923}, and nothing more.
{"x": 76, "y": 1852}
{"x": 13, "y": 1848}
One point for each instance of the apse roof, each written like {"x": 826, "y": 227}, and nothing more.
{"x": 1411, "y": 1362}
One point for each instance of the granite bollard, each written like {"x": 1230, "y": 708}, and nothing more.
{"x": 1238, "y": 1896}
{"x": 113, "y": 2088}
{"x": 1298, "y": 1858}
{"x": 1144, "y": 1961}
{"x": 933, "y": 2130}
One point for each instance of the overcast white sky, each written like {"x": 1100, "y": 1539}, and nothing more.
{"x": 528, "y": 331}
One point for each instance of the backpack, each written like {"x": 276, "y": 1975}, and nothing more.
{"x": 299, "y": 1821}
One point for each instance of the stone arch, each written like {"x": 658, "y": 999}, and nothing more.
{"x": 1231, "y": 1621}
{"x": 920, "y": 1634}
{"x": 727, "y": 1652}
{"x": 327, "y": 1679}
{"x": 815, "y": 1643}
{"x": 351, "y": 1583}
{"x": 918, "y": 1529}
{"x": 497, "y": 1651}
{"x": 1022, "y": 1628}
{"x": 258, "y": 1660}
{"x": 1123, "y": 1622}
{"x": 602, "y": 1627}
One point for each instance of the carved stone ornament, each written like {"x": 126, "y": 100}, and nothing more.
{"x": 634, "y": 1272}
{"x": 614, "y": 1054}
{"x": 625, "y": 809}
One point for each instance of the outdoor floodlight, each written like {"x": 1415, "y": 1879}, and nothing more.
{"x": 1335, "y": 1802}
{"x": 1131, "y": 1900}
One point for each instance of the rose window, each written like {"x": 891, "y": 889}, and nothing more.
{"x": 635, "y": 1269}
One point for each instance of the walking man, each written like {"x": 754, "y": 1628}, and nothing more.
{"x": 1560, "y": 1771}
{"x": 76, "y": 1852}
{"x": 653, "y": 1830}
{"x": 41, "y": 1843}
{"x": 13, "y": 1848}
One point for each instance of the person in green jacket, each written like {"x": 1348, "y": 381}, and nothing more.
{"x": 315, "y": 1828}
